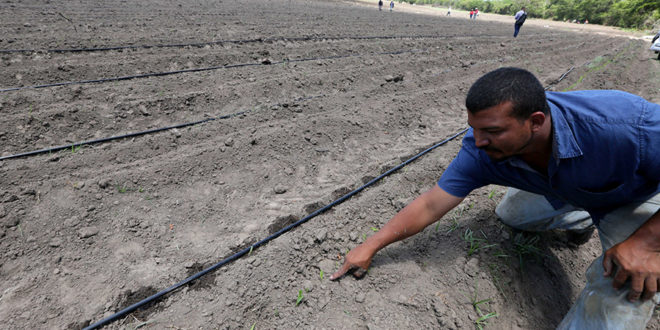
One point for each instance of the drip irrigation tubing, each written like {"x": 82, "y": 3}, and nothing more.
{"x": 247, "y": 250}
{"x": 134, "y": 134}
{"x": 237, "y": 41}
{"x": 230, "y": 66}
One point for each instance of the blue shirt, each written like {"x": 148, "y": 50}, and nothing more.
{"x": 606, "y": 153}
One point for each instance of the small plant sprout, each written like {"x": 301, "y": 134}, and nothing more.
{"x": 75, "y": 149}
{"x": 253, "y": 324}
{"x": 491, "y": 194}
{"x": 364, "y": 237}
{"x": 140, "y": 189}
{"x": 453, "y": 225}
{"x": 251, "y": 248}
{"x": 321, "y": 274}
{"x": 475, "y": 243}
{"x": 374, "y": 229}
{"x": 482, "y": 321}
{"x": 121, "y": 189}
{"x": 525, "y": 246}
{"x": 300, "y": 297}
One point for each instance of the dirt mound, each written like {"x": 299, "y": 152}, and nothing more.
{"x": 311, "y": 99}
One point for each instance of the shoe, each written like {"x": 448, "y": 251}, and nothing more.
{"x": 580, "y": 236}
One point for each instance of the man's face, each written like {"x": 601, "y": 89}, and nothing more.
{"x": 500, "y": 134}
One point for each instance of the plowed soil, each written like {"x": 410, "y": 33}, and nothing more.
{"x": 311, "y": 99}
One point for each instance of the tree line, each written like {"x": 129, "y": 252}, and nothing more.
{"x": 637, "y": 14}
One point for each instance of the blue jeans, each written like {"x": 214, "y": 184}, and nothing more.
{"x": 599, "y": 305}
{"x": 516, "y": 29}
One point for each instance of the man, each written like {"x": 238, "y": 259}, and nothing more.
{"x": 476, "y": 12}
{"x": 520, "y": 18}
{"x": 562, "y": 154}
{"x": 380, "y": 5}
{"x": 391, "y": 5}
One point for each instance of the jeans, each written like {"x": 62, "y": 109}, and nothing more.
{"x": 516, "y": 29}
{"x": 599, "y": 305}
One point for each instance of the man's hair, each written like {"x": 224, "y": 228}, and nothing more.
{"x": 508, "y": 84}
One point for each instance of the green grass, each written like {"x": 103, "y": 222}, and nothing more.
{"x": 475, "y": 243}
{"x": 478, "y": 304}
{"x": 300, "y": 297}
{"x": 524, "y": 247}
{"x": 599, "y": 63}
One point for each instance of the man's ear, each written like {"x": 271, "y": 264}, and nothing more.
{"x": 537, "y": 119}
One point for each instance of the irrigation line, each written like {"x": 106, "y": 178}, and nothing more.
{"x": 155, "y": 130}
{"x": 239, "y": 41}
{"x": 560, "y": 78}
{"x": 231, "y": 66}
{"x": 247, "y": 250}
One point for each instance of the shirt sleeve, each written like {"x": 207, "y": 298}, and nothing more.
{"x": 463, "y": 175}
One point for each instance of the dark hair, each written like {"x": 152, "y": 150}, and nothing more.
{"x": 508, "y": 84}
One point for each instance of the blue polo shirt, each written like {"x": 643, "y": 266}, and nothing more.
{"x": 606, "y": 153}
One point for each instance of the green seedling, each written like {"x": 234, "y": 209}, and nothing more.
{"x": 321, "y": 274}
{"x": 453, "y": 225}
{"x": 364, "y": 237}
{"x": 251, "y": 248}
{"x": 475, "y": 243}
{"x": 253, "y": 324}
{"x": 525, "y": 246}
{"x": 300, "y": 297}
{"x": 481, "y": 322}
{"x": 276, "y": 313}
{"x": 374, "y": 229}
{"x": 122, "y": 189}
{"x": 491, "y": 194}
{"x": 75, "y": 149}
{"x": 140, "y": 189}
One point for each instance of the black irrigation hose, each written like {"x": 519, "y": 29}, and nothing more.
{"x": 239, "y": 41}
{"x": 245, "y": 251}
{"x": 167, "y": 73}
{"x": 155, "y": 130}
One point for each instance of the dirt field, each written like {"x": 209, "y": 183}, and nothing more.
{"x": 335, "y": 94}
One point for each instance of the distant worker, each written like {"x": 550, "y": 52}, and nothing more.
{"x": 380, "y": 5}
{"x": 520, "y": 18}
{"x": 471, "y": 13}
{"x": 391, "y": 5}
{"x": 449, "y": 11}
{"x": 476, "y": 12}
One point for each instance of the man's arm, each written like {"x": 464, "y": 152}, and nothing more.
{"x": 412, "y": 219}
{"x": 637, "y": 258}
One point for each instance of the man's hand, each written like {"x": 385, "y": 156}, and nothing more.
{"x": 357, "y": 261}
{"x": 637, "y": 258}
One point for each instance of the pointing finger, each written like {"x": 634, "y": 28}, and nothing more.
{"x": 344, "y": 268}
